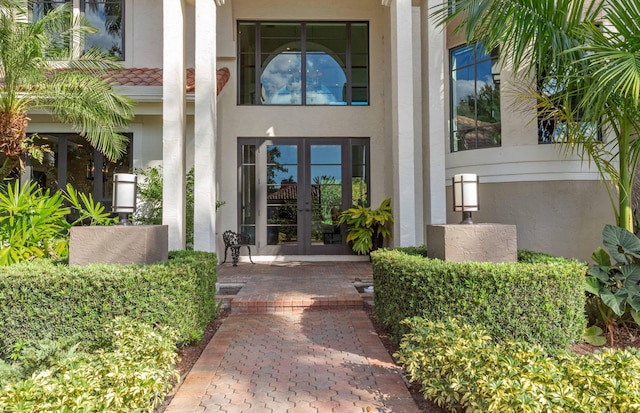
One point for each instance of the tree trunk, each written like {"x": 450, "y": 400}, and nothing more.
{"x": 13, "y": 132}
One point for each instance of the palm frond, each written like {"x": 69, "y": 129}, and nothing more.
{"x": 88, "y": 103}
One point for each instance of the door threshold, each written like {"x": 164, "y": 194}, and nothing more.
{"x": 306, "y": 258}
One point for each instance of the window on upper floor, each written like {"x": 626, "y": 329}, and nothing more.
{"x": 303, "y": 63}
{"x": 552, "y": 129}
{"x": 475, "y": 99}
{"x": 106, "y": 16}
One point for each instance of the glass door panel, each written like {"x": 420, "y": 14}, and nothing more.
{"x": 326, "y": 193}
{"x": 282, "y": 195}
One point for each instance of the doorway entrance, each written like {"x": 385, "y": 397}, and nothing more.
{"x": 293, "y": 189}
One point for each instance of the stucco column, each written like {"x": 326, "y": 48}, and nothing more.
{"x": 205, "y": 128}
{"x": 174, "y": 121}
{"x": 433, "y": 115}
{"x": 404, "y": 147}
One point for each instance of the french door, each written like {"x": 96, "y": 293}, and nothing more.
{"x": 293, "y": 189}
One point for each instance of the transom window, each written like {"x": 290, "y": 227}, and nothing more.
{"x": 475, "y": 99}
{"x": 293, "y": 63}
{"x": 107, "y": 16}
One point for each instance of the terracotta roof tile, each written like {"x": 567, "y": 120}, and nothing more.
{"x": 145, "y": 76}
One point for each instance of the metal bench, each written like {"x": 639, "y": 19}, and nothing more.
{"x": 234, "y": 241}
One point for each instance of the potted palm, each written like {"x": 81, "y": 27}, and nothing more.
{"x": 367, "y": 228}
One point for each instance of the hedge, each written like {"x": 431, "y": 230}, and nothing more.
{"x": 542, "y": 303}
{"x": 461, "y": 368}
{"x": 43, "y": 300}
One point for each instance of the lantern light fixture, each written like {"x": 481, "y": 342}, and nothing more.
{"x": 465, "y": 196}
{"x": 124, "y": 196}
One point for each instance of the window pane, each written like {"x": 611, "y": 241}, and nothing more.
{"x": 45, "y": 173}
{"x": 326, "y": 79}
{"x": 41, "y": 7}
{"x": 281, "y": 79}
{"x": 248, "y": 206}
{"x": 359, "y": 175}
{"x": 247, "y": 63}
{"x": 107, "y": 17}
{"x": 475, "y": 100}
{"x": 360, "y": 63}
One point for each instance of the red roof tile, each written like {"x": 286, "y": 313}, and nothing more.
{"x": 144, "y": 76}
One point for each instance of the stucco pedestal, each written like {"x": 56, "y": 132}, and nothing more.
{"x": 475, "y": 242}
{"x": 118, "y": 244}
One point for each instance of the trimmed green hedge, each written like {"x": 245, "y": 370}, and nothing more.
{"x": 43, "y": 300}
{"x": 542, "y": 303}
{"x": 461, "y": 368}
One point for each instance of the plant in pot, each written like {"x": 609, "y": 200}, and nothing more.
{"x": 367, "y": 228}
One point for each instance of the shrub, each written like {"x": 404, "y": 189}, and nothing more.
{"x": 460, "y": 367}
{"x": 41, "y": 300}
{"x": 540, "y": 303}
{"x": 132, "y": 373}
{"x": 32, "y": 223}
{"x": 419, "y": 251}
{"x": 150, "y": 193}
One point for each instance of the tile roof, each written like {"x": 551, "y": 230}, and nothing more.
{"x": 145, "y": 76}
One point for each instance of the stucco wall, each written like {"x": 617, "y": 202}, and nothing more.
{"x": 558, "y": 217}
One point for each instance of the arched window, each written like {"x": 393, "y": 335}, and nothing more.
{"x": 284, "y": 63}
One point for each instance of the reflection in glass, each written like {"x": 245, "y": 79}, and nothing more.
{"x": 45, "y": 173}
{"x": 107, "y": 17}
{"x": 326, "y": 193}
{"x": 475, "y": 97}
{"x": 248, "y": 204}
{"x": 79, "y": 156}
{"x": 359, "y": 175}
{"x": 282, "y": 194}
{"x": 41, "y": 7}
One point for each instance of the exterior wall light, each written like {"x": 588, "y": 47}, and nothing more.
{"x": 124, "y": 196}
{"x": 465, "y": 195}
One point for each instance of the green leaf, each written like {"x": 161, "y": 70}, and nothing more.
{"x": 616, "y": 302}
{"x": 636, "y": 316}
{"x": 601, "y": 257}
{"x": 593, "y": 335}
{"x": 602, "y": 273}
{"x": 620, "y": 243}
{"x": 592, "y": 285}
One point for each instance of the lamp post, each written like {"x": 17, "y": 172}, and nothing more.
{"x": 124, "y": 196}
{"x": 465, "y": 195}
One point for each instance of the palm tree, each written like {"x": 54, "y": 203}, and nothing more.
{"x": 42, "y": 68}
{"x": 585, "y": 55}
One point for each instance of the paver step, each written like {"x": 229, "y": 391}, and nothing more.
{"x": 251, "y": 305}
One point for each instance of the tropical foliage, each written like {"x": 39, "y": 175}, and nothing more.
{"x": 34, "y": 223}
{"x": 366, "y": 224}
{"x": 616, "y": 286}
{"x": 43, "y": 67}
{"x": 585, "y": 56}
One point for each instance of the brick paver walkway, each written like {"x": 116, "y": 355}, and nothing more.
{"x": 310, "y": 360}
